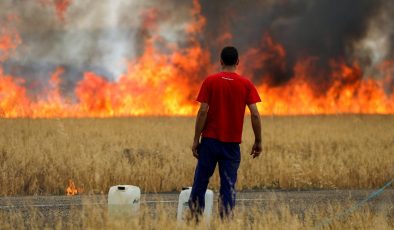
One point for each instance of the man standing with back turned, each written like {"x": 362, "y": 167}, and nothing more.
{"x": 219, "y": 122}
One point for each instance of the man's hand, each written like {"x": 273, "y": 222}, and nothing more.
{"x": 194, "y": 148}
{"x": 200, "y": 123}
{"x": 256, "y": 149}
{"x": 256, "y": 125}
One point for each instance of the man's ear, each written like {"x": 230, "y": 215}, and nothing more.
{"x": 221, "y": 62}
{"x": 237, "y": 62}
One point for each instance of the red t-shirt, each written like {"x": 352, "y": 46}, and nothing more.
{"x": 227, "y": 95}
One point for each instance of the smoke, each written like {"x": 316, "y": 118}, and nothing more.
{"x": 323, "y": 29}
{"x": 377, "y": 45}
{"x": 100, "y": 36}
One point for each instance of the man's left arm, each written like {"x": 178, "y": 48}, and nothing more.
{"x": 200, "y": 123}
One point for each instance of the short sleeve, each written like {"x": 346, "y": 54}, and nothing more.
{"x": 203, "y": 95}
{"x": 253, "y": 96}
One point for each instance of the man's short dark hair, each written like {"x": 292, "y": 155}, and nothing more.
{"x": 229, "y": 55}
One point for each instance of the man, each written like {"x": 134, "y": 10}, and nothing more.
{"x": 219, "y": 123}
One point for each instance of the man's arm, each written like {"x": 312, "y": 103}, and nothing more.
{"x": 256, "y": 124}
{"x": 200, "y": 123}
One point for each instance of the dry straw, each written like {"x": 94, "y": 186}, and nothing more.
{"x": 39, "y": 156}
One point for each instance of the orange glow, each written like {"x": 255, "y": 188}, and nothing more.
{"x": 60, "y": 6}
{"x": 166, "y": 83}
{"x": 9, "y": 40}
{"x": 199, "y": 22}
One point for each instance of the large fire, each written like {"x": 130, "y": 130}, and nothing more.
{"x": 166, "y": 83}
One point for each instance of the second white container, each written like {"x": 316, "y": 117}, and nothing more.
{"x": 183, "y": 205}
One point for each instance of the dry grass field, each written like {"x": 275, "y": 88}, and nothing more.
{"x": 96, "y": 217}
{"x": 39, "y": 156}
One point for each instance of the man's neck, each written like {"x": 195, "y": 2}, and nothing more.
{"x": 229, "y": 68}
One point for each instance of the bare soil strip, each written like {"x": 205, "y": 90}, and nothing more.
{"x": 294, "y": 199}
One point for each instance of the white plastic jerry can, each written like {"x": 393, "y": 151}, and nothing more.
{"x": 124, "y": 200}
{"x": 183, "y": 205}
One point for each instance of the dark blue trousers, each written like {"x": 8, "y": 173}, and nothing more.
{"x": 228, "y": 156}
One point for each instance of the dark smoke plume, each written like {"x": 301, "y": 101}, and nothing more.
{"x": 325, "y": 29}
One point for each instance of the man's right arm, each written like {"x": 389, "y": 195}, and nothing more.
{"x": 256, "y": 125}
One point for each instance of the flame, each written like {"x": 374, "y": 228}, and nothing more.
{"x": 166, "y": 82}
{"x": 72, "y": 190}
{"x": 348, "y": 93}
